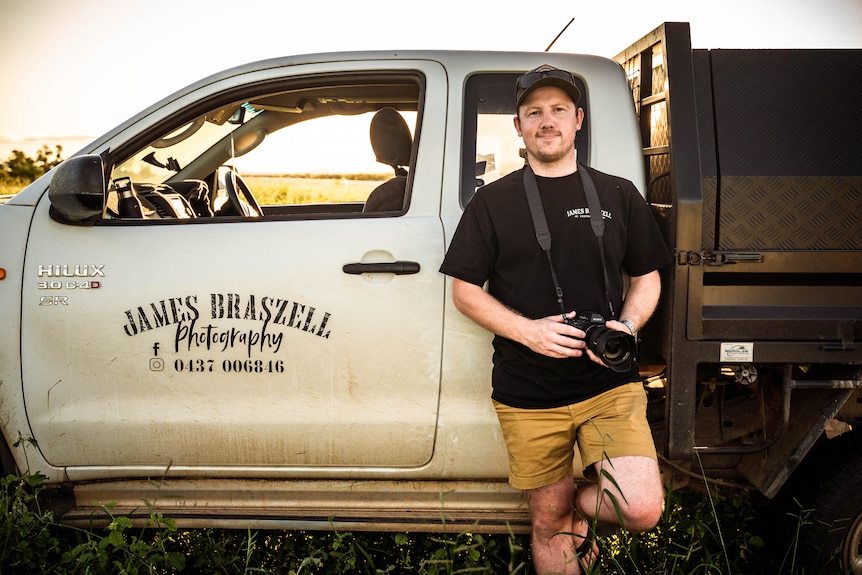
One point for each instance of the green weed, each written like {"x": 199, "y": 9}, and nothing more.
{"x": 713, "y": 534}
{"x": 697, "y": 535}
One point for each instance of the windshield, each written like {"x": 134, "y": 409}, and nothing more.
{"x": 160, "y": 160}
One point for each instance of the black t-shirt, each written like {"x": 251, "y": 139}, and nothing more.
{"x": 496, "y": 243}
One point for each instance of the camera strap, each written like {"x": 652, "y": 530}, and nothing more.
{"x": 543, "y": 234}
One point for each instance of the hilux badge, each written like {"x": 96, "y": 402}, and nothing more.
{"x": 71, "y": 271}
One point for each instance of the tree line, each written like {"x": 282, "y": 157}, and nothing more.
{"x": 21, "y": 168}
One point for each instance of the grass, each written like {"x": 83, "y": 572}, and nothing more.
{"x": 312, "y": 189}
{"x": 712, "y": 534}
{"x": 10, "y": 187}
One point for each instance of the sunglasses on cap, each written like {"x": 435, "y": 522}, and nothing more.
{"x": 533, "y": 76}
{"x": 546, "y": 76}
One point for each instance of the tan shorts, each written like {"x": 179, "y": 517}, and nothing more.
{"x": 541, "y": 442}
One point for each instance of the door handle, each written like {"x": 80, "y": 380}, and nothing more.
{"x": 397, "y": 268}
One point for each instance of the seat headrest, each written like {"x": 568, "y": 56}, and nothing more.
{"x": 390, "y": 138}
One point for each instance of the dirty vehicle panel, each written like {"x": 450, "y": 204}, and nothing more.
{"x": 203, "y": 339}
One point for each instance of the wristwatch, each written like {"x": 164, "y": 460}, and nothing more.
{"x": 631, "y": 327}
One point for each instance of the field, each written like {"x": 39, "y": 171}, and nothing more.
{"x": 12, "y": 187}
{"x": 292, "y": 189}
{"x": 312, "y": 189}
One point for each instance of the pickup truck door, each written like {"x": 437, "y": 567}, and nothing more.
{"x": 259, "y": 342}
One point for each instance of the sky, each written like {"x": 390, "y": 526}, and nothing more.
{"x": 77, "y": 68}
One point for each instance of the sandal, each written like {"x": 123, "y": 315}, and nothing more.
{"x": 584, "y": 550}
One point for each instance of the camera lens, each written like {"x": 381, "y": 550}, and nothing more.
{"x": 614, "y": 348}
{"x": 617, "y": 349}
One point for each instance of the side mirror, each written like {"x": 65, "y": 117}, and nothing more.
{"x": 77, "y": 191}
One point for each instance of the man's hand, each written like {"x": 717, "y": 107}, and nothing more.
{"x": 552, "y": 337}
{"x": 548, "y": 336}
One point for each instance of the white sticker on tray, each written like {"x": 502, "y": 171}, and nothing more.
{"x": 737, "y": 352}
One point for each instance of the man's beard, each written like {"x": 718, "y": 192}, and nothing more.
{"x": 553, "y": 155}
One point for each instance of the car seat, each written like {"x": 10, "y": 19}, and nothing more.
{"x": 392, "y": 144}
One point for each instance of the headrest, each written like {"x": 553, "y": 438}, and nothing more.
{"x": 390, "y": 138}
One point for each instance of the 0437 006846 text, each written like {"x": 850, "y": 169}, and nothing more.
{"x": 199, "y": 365}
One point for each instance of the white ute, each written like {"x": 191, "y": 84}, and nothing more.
{"x": 275, "y": 364}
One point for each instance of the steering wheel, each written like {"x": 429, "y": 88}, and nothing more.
{"x": 239, "y": 200}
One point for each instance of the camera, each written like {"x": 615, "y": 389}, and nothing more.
{"x": 617, "y": 349}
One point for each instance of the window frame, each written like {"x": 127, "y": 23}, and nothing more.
{"x": 253, "y": 90}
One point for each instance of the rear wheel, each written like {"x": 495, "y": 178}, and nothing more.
{"x": 853, "y": 547}
{"x": 833, "y": 534}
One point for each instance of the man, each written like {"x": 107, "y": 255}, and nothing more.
{"x": 550, "y": 392}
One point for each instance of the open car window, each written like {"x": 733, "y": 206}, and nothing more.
{"x": 324, "y": 146}
{"x": 492, "y": 147}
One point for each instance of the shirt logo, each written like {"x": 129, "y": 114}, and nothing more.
{"x": 584, "y": 213}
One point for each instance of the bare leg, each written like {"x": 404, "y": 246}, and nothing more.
{"x": 637, "y": 497}
{"x": 557, "y": 529}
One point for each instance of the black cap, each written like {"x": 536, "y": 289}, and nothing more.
{"x": 546, "y": 75}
